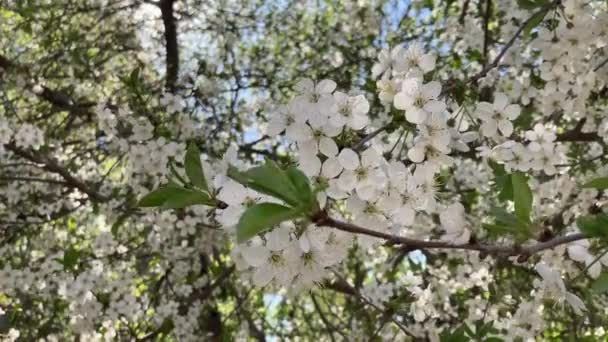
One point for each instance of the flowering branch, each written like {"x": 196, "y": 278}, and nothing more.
{"x": 513, "y": 250}
{"x": 53, "y": 166}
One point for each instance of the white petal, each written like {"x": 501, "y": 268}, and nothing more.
{"x": 348, "y": 159}
{"x": 416, "y": 115}
{"x": 416, "y": 154}
{"x": 305, "y": 86}
{"x": 359, "y": 104}
{"x": 512, "y": 111}
{"x": 432, "y": 90}
{"x": 255, "y": 255}
{"x": 337, "y": 120}
{"x": 347, "y": 181}
{"x": 278, "y": 239}
{"x": 261, "y": 277}
{"x": 331, "y": 130}
{"x": 321, "y": 199}
{"x": 326, "y": 87}
{"x": 318, "y": 120}
{"x": 304, "y": 243}
{"x": 488, "y": 128}
{"x": 358, "y": 122}
{"x": 578, "y": 253}
{"x": 310, "y": 165}
{"x": 275, "y": 126}
{"x": 427, "y": 62}
{"x": 366, "y": 191}
{"x": 500, "y": 101}
{"x": 299, "y": 132}
{"x": 576, "y": 303}
{"x": 331, "y": 168}
{"x": 328, "y": 147}
{"x": 505, "y": 127}
{"x": 371, "y": 157}
{"x": 405, "y": 215}
{"x": 435, "y": 106}
{"x": 402, "y": 100}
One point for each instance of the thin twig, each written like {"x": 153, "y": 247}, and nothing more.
{"x": 358, "y": 294}
{"x": 370, "y": 136}
{"x": 507, "y": 45}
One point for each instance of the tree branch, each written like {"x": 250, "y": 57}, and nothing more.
{"x": 577, "y": 134}
{"x": 507, "y": 45}
{"x": 54, "y": 97}
{"x": 53, "y": 166}
{"x": 370, "y": 136}
{"x": 486, "y": 31}
{"x": 513, "y": 250}
{"x": 171, "y": 48}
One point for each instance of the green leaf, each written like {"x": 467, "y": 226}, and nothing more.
{"x": 166, "y": 327}
{"x": 70, "y": 258}
{"x": 601, "y": 283}
{"x": 536, "y": 19}
{"x": 598, "y": 183}
{"x": 194, "y": 167}
{"x": 262, "y": 217}
{"x": 594, "y": 225}
{"x": 302, "y": 185}
{"x": 522, "y": 196}
{"x": 506, "y": 223}
{"x": 176, "y": 174}
{"x": 172, "y": 196}
{"x": 268, "y": 179}
{"x": 502, "y": 180}
{"x": 458, "y": 335}
{"x": 531, "y": 4}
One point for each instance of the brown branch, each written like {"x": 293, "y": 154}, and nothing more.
{"x": 53, "y": 96}
{"x": 53, "y": 166}
{"x": 486, "y": 31}
{"x": 463, "y": 14}
{"x": 512, "y": 250}
{"x": 171, "y": 48}
{"x": 577, "y": 134}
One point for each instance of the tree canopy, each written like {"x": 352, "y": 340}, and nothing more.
{"x": 187, "y": 170}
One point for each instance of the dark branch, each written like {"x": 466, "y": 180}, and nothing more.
{"x": 513, "y": 250}
{"x": 53, "y": 166}
{"x": 577, "y": 134}
{"x": 486, "y": 31}
{"x": 171, "y": 48}
{"x": 52, "y": 96}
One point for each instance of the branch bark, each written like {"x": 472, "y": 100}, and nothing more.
{"x": 497, "y": 250}
{"x": 171, "y": 47}
{"x": 486, "y": 31}
{"x": 577, "y": 134}
{"x": 53, "y": 166}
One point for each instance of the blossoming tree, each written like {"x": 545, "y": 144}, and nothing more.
{"x": 178, "y": 170}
